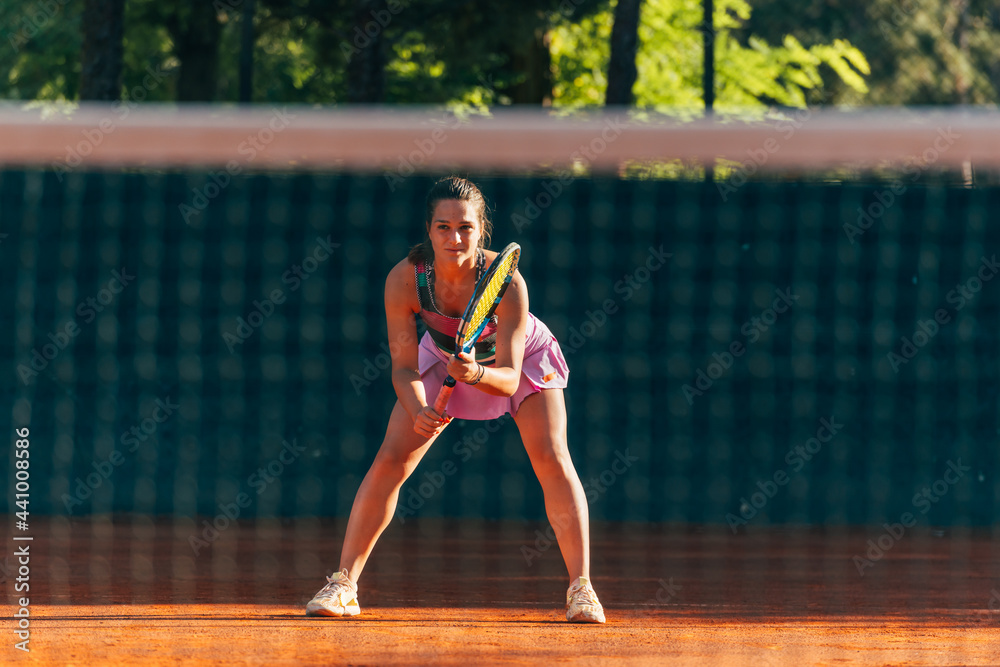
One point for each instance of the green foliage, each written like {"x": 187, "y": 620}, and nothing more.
{"x": 464, "y": 53}
{"x": 295, "y": 60}
{"x": 750, "y": 76}
{"x": 580, "y": 55}
{"x": 40, "y": 50}
{"x": 149, "y": 67}
{"x": 470, "y": 55}
{"x": 921, "y": 51}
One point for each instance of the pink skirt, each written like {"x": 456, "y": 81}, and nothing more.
{"x": 543, "y": 367}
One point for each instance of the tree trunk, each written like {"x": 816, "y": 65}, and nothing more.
{"x": 624, "y": 46}
{"x": 708, "y": 70}
{"x": 366, "y": 66}
{"x": 246, "y": 53}
{"x": 994, "y": 71}
{"x": 197, "y": 47}
{"x": 534, "y": 59}
{"x": 708, "y": 44}
{"x": 101, "y": 56}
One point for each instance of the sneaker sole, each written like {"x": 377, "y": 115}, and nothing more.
{"x": 583, "y": 618}
{"x": 329, "y": 613}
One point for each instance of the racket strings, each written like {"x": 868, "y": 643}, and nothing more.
{"x": 486, "y": 302}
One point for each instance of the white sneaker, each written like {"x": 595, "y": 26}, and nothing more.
{"x": 338, "y": 598}
{"x": 582, "y": 605}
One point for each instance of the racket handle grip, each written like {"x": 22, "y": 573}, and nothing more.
{"x": 441, "y": 402}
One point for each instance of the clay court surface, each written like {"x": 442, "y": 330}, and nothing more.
{"x": 132, "y": 591}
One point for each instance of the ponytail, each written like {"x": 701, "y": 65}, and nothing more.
{"x": 422, "y": 252}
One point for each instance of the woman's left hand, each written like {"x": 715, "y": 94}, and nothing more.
{"x": 463, "y": 368}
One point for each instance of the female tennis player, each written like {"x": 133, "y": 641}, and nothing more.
{"x": 518, "y": 368}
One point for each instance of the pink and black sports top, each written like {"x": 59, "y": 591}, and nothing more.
{"x": 441, "y": 327}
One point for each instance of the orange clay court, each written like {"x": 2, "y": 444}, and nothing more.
{"x": 130, "y": 590}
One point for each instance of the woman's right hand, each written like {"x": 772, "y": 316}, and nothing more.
{"x": 428, "y": 423}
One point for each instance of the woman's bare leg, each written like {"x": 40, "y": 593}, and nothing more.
{"x": 541, "y": 419}
{"x": 376, "y": 500}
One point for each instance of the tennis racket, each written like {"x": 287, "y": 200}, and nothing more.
{"x": 489, "y": 290}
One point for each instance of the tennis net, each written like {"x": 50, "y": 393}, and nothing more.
{"x": 195, "y": 318}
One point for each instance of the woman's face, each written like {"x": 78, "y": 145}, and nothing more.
{"x": 455, "y": 230}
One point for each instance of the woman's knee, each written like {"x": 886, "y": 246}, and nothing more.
{"x": 552, "y": 462}
{"x": 390, "y": 466}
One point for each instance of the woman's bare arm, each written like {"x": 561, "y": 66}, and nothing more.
{"x": 504, "y": 376}
{"x": 401, "y": 306}
{"x": 400, "y": 296}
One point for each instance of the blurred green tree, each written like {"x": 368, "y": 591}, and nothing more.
{"x": 921, "y": 51}
{"x": 193, "y": 30}
{"x": 40, "y": 50}
{"x": 306, "y": 51}
{"x": 751, "y": 75}
{"x": 784, "y": 52}
{"x": 103, "y": 24}
{"x": 624, "y": 46}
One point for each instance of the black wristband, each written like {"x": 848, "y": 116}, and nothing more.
{"x": 482, "y": 371}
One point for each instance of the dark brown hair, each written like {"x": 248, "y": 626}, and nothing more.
{"x": 452, "y": 187}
